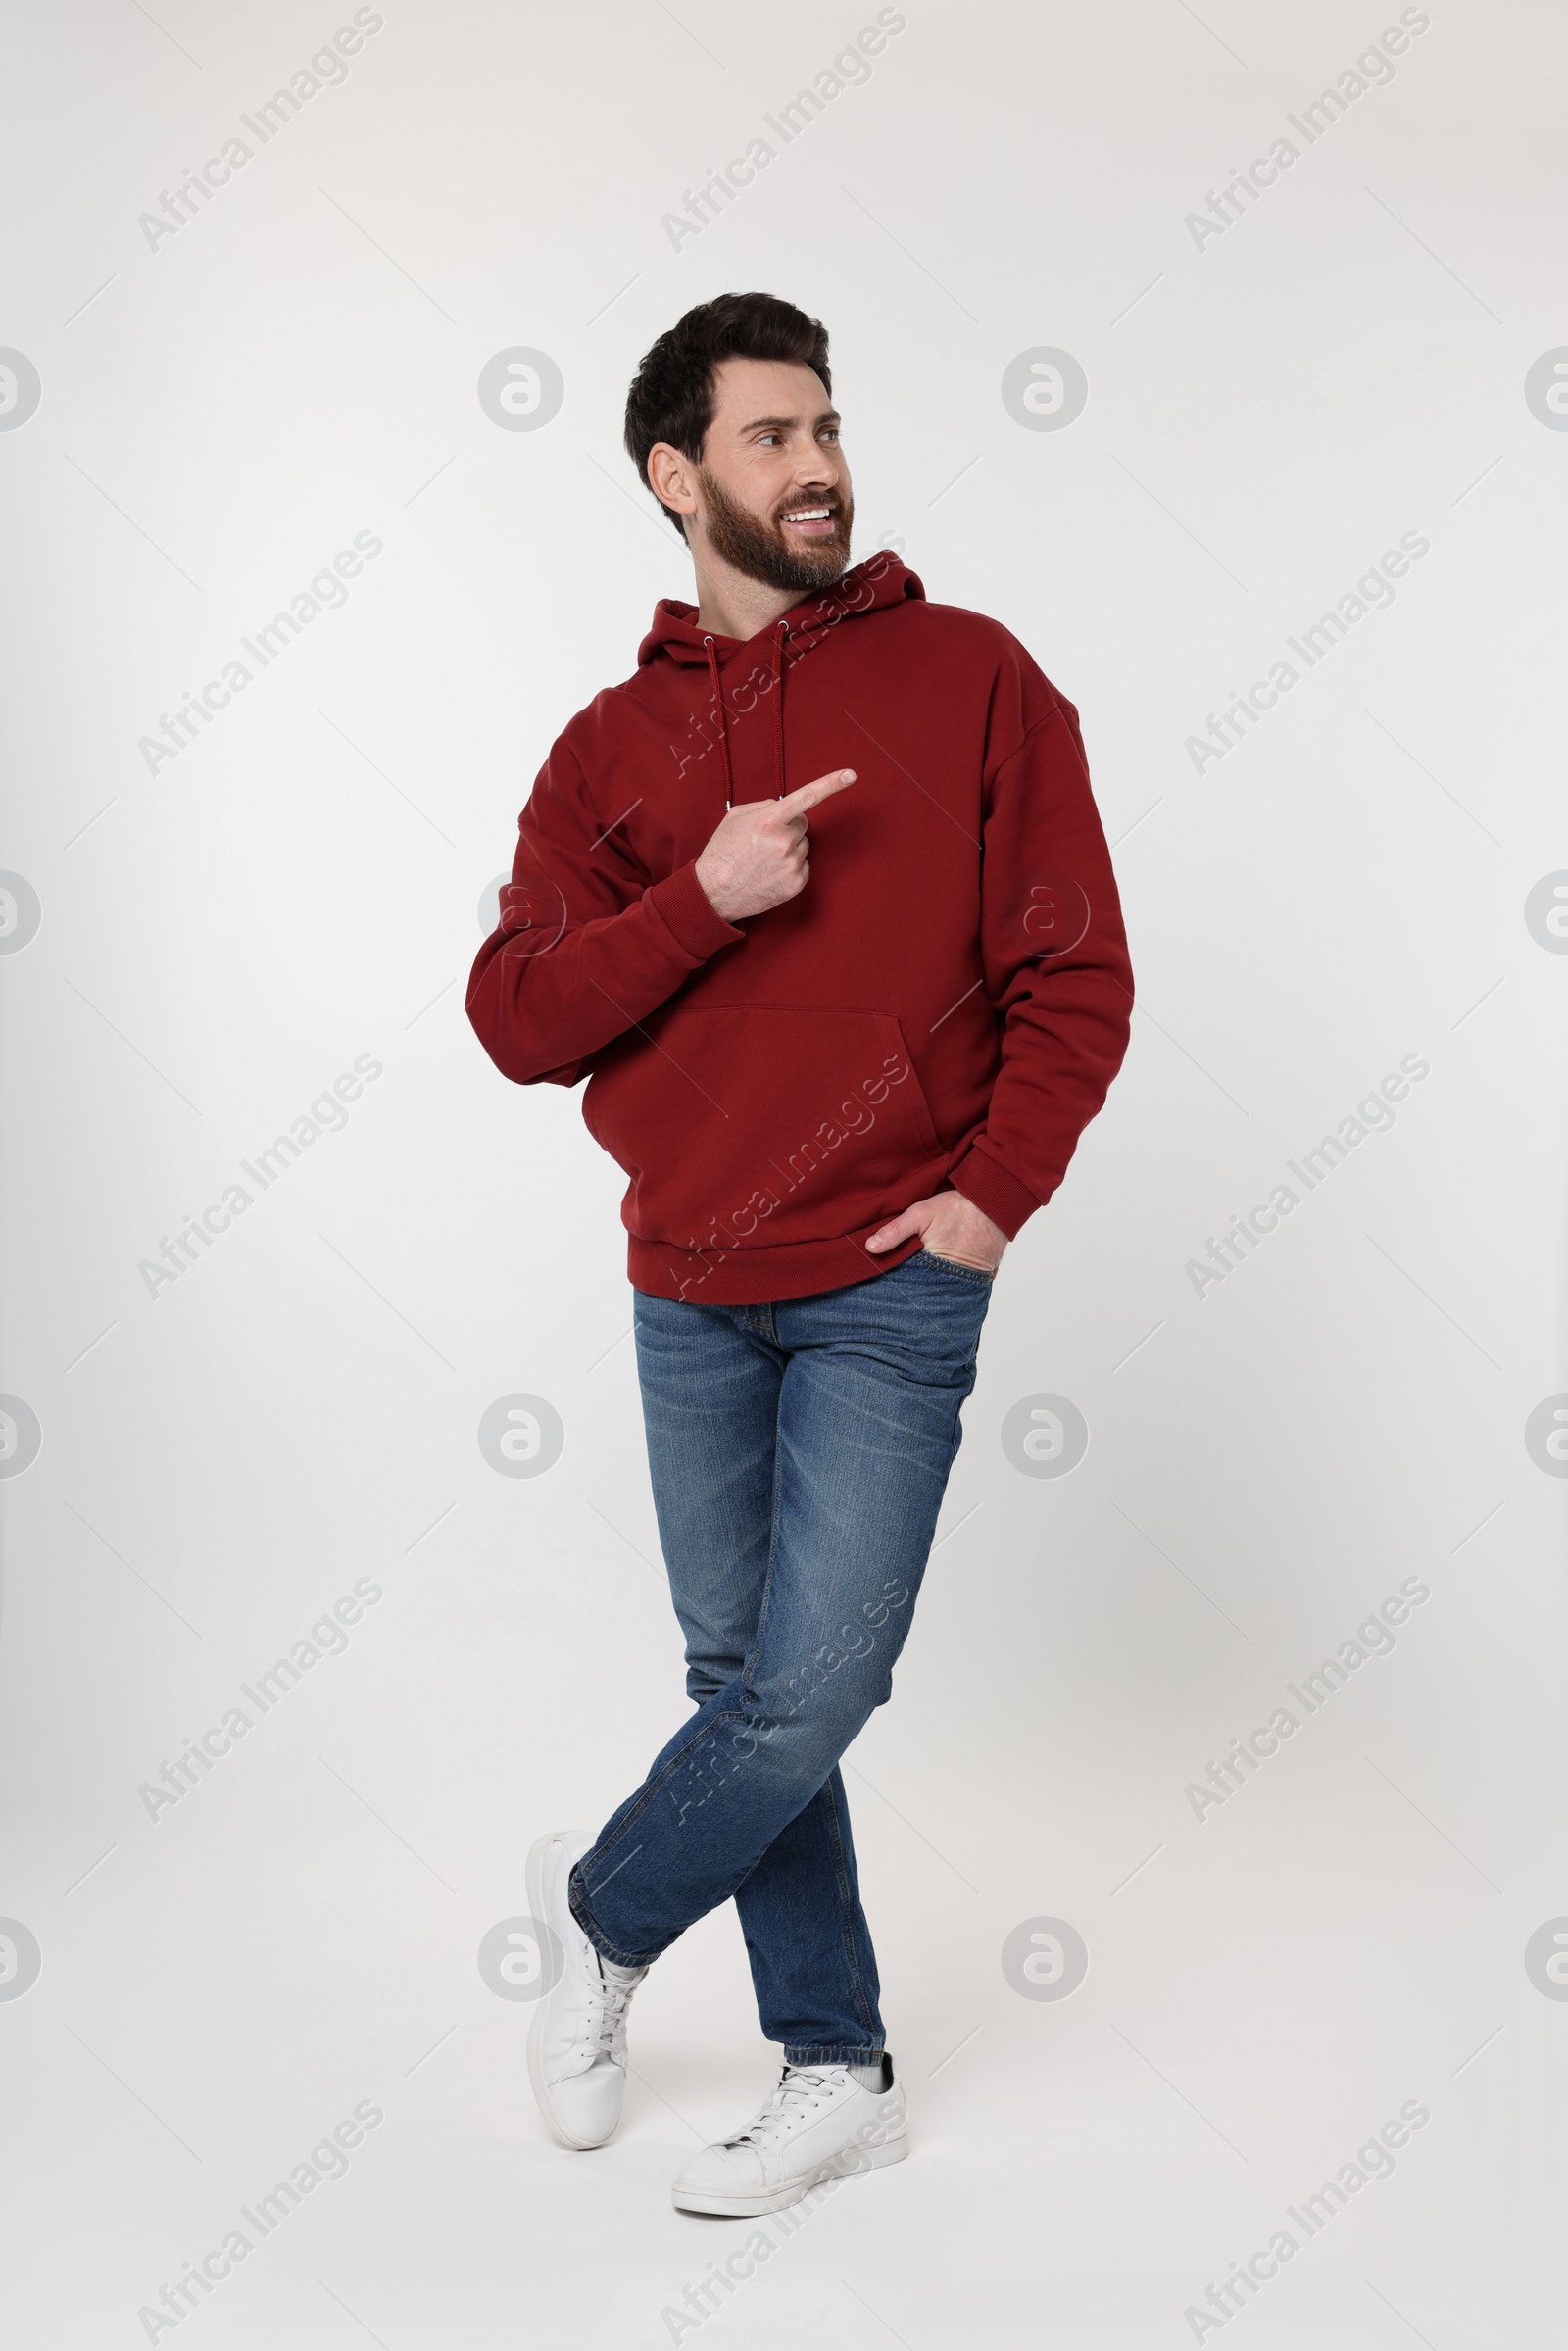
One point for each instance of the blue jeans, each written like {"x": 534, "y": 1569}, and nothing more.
{"x": 798, "y": 1454}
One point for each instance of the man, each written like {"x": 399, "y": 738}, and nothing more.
{"x": 819, "y": 903}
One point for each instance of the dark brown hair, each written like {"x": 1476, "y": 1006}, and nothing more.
{"x": 671, "y": 395}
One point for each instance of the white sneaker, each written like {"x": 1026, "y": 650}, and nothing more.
{"x": 820, "y": 2123}
{"x": 578, "y": 2040}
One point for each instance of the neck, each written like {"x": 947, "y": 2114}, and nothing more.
{"x": 731, "y": 603}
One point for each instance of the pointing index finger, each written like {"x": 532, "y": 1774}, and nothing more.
{"x": 807, "y": 796}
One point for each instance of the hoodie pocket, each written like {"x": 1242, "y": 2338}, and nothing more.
{"x": 755, "y": 1125}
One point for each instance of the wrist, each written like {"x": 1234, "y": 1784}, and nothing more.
{"x": 712, "y": 889}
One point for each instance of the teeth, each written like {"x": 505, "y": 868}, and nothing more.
{"x": 809, "y": 513}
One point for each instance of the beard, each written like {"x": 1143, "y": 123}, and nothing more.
{"x": 762, "y": 552}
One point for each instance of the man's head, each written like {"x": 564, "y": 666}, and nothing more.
{"x": 730, "y": 424}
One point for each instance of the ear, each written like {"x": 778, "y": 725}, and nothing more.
{"x": 673, "y": 478}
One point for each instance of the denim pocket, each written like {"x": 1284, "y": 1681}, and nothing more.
{"x": 949, "y": 1266}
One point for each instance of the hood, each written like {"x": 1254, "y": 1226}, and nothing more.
{"x": 676, "y": 636}
{"x": 882, "y": 579}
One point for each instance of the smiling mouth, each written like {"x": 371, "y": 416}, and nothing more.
{"x": 812, "y": 521}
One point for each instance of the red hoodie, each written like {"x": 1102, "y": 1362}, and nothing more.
{"x": 944, "y": 1004}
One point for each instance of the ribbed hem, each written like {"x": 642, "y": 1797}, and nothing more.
{"x": 758, "y": 1277}
{"x": 838, "y": 2056}
{"x": 687, "y": 909}
{"x": 997, "y": 1194}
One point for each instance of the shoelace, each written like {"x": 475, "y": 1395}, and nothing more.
{"x": 798, "y": 2088}
{"x": 605, "y": 2025}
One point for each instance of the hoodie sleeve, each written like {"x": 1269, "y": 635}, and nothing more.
{"x": 585, "y": 948}
{"x": 1055, "y": 957}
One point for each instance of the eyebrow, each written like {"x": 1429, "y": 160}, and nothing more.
{"x": 828, "y": 417}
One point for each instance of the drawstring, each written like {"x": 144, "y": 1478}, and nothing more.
{"x": 780, "y": 633}
{"x": 718, "y": 711}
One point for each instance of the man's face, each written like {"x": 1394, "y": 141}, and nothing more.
{"x": 772, "y": 489}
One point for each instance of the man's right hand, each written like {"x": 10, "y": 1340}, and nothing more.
{"x": 758, "y": 857}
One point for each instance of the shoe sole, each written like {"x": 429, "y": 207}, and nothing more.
{"x": 843, "y": 2165}
{"x": 538, "y": 1909}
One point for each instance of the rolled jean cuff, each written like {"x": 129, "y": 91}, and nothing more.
{"x": 825, "y": 2056}
{"x": 601, "y": 1942}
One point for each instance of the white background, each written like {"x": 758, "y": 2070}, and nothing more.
{"x": 219, "y": 939}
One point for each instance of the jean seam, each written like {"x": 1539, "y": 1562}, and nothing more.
{"x": 846, "y": 1906}
{"x": 655, "y": 1787}
{"x": 756, "y": 1650}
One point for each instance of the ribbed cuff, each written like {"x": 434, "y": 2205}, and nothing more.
{"x": 688, "y": 914}
{"x": 1001, "y": 1196}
